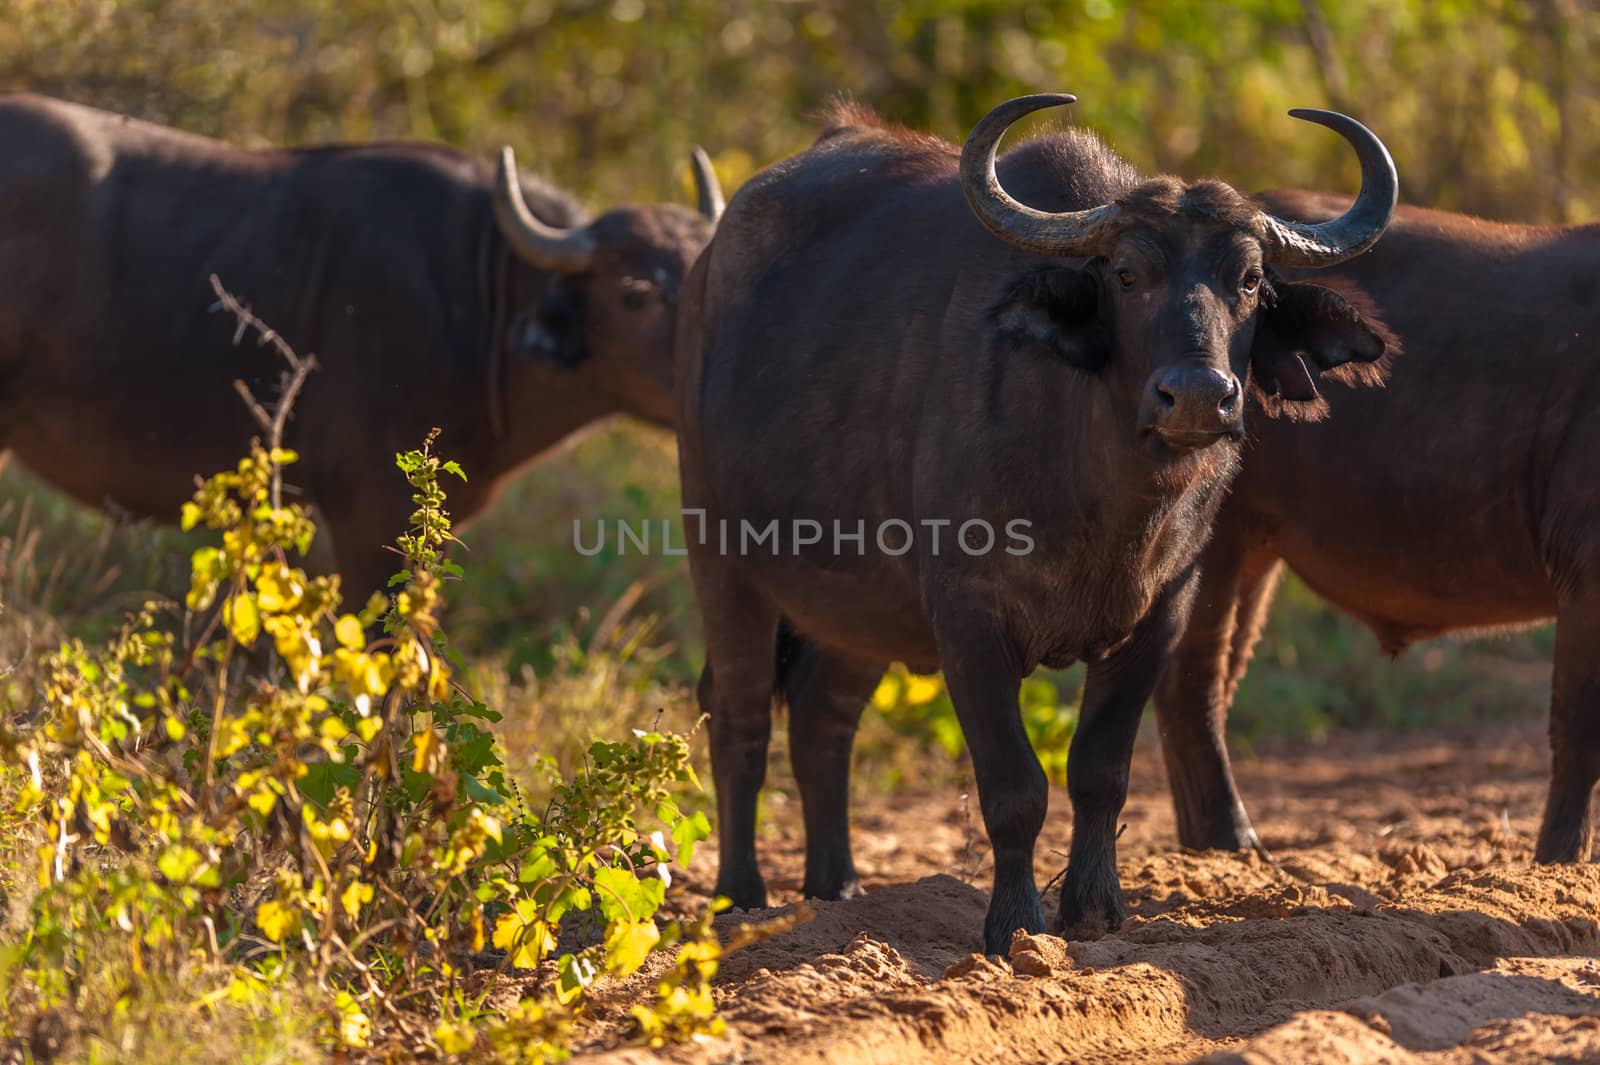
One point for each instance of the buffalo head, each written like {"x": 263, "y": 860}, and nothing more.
{"x": 1178, "y": 310}
{"x": 609, "y": 307}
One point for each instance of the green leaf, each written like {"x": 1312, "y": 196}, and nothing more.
{"x": 178, "y": 864}
{"x": 624, "y": 897}
{"x": 322, "y": 781}
{"x": 575, "y": 973}
{"x": 480, "y": 792}
{"x": 688, "y": 831}
{"x": 539, "y": 866}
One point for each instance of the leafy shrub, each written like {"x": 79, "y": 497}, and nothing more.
{"x": 299, "y": 799}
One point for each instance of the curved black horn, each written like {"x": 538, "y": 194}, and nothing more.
{"x": 1326, "y": 243}
{"x": 708, "y": 191}
{"x": 567, "y": 251}
{"x": 1067, "y": 233}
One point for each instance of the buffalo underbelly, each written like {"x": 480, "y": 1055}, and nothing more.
{"x": 860, "y": 606}
{"x": 1405, "y": 605}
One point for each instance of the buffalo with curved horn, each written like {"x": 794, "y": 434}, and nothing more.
{"x": 1090, "y": 230}
{"x": 905, "y": 435}
{"x": 1462, "y": 499}
{"x": 433, "y": 293}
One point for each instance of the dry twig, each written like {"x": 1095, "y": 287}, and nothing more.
{"x": 294, "y": 378}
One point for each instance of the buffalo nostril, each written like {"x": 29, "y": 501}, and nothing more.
{"x": 1165, "y": 398}
{"x": 1230, "y": 402}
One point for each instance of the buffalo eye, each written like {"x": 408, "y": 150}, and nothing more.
{"x": 1126, "y": 278}
{"x": 635, "y": 291}
{"x": 1250, "y": 284}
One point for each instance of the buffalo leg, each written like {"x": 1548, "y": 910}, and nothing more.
{"x": 1196, "y": 688}
{"x": 826, "y": 693}
{"x": 983, "y": 675}
{"x": 1114, "y": 694}
{"x": 736, "y": 690}
{"x": 1574, "y": 734}
{"x": 1258, "y": 587}
{"x": 984, "y": 680}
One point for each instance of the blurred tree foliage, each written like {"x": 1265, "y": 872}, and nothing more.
{"x": 1490, "y": 107}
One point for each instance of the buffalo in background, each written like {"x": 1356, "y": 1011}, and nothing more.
{"x": 858, "y": 345}
{"x": 433, "y": 291}
{"x": 1465, "y": 498}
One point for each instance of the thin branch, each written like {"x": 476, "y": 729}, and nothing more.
{"x": 275, "y": 421}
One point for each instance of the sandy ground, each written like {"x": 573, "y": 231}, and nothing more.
{"x": 1405, "y": 923}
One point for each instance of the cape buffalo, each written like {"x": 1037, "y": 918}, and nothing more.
{"x": 1466, "y": 499}
{"x": 981, "y": 438}
{"x": 433, "y": 291}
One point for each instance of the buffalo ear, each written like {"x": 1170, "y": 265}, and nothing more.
{"x": 1307, "y": 331}
{"x": 1056, "y": 310}
{"x": 552, "y": 331}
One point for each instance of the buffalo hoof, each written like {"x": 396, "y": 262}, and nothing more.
{"x": 1009, "y": 911}
{"x": 1560, "y": 847}
{"x": 1089, "y": 913}
{"x": 834, "y": 892}
{"x": 1234, "y": 840}
{"x": 746, "y": 892}
{"x": 831, "y": 875}
{"x": 1227, "y": 829}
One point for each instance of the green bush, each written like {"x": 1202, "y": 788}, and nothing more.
{"x": 265, "y": 796}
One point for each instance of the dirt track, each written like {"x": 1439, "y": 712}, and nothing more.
{"x": 1405, "y": 924}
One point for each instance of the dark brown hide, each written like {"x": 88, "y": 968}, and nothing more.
{"x": 856, "y": 347}
{"x": 383, "y": 260}
{"x": 1463, "y": 498}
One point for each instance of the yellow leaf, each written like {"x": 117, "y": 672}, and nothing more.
{"x": 354, "y": 897}
{"x": 349, "y": 632}
{"x": 921, "y": 689}
{"x": 354, "y": 1028}
{"x": 428, "y": 743}
{"x": 522, "y": 931}
{"x": 627, "y": 944}
{"x": 454, "y": 1038}
{"x": 244, "y": 621}
{"x": 276, "y": 920}
{"x": 887, "y": 694}
{"x": 439, "y": 682}
{"x": 279, "y": 589}
{"x": 490, "y": 825}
